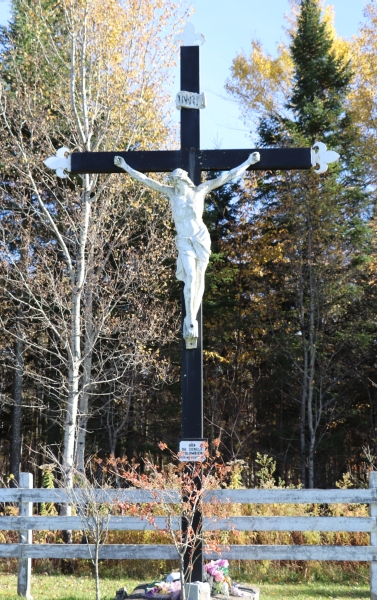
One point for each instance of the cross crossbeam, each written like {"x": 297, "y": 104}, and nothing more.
{"x": 164, "y": 161}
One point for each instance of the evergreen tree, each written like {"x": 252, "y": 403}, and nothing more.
{"x": 323, "y": 236}
{"x": 302, "y": 251}
{"x": 321, "y": 80}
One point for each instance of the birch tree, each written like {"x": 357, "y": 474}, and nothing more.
{"x": 99, "y": 71}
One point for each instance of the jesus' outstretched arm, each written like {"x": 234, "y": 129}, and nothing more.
{"x": 212, "y": 184}
{"x": 159, "y": 187}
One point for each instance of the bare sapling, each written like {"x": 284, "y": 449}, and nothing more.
{"x": 92, "y": 501}
{"x": 177, "y": 489}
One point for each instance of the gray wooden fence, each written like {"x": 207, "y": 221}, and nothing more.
{"x": 25, "y": 523}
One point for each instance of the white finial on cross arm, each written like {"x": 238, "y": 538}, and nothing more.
{"x": 189, "y": 36}
{"x": 322, "y": 157}
{"x": 60, "y": 163}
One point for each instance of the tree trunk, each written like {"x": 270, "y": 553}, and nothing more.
{"x": 74, "y": 362}
{"x": 312, "y": 357}
{"x": 86, "y": 381}
{"x": 15, "y": 452}
{"x": 96, "y": 571}
{"x": 75, "y": 345}
{"x": 182, "y": 576}
{"x": 304, "y": 394}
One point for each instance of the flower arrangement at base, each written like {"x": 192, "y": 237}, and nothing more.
{"x": 216, "y": 573}
{"x": 164, "y": 591}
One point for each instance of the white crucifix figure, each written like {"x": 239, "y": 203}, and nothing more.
{"x": 192, "y": 240}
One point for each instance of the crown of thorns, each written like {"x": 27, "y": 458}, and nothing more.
{"x": 180, "y": 174}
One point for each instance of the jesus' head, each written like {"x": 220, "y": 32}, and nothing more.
{"x": 179, "y": 175}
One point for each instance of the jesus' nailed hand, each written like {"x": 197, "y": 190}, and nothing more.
{"x": 192, "y": 240}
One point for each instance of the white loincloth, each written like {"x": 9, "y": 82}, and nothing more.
{"x": 198, "y": 246}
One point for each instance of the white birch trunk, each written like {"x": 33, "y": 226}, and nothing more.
{"x": 70, "y": 429}
{"x": 75, "y": 358}
{"x": 86, "y": 380}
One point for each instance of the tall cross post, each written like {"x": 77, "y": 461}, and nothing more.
{"x": 193, "y": 160}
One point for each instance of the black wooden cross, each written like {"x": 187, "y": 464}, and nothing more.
{"x": 191, "y": 159}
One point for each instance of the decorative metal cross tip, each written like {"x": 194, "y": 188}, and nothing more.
{"x": 60, "y": 163}
{"x": 189, "y": 36}
{"x": 322, "y": 157}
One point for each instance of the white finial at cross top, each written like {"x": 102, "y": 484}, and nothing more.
{"x": 189, "y": 36}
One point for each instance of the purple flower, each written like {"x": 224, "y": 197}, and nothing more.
{"x": 223, "y": 563}
{"x": 215, "y": 566}
{"x": 211, "y": 568}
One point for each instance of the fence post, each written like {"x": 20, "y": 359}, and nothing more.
{"x": 25, "y": 537}
{"x": 373, "y": 538}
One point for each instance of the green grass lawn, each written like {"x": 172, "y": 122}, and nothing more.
{"x": 313, "y": 591}
{"x": 63, "y": 587}
{"x": 73, "y": 587}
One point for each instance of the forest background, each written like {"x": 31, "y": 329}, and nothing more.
{"x": 90, "y": 347}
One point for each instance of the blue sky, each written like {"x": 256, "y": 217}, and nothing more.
{"x": 228, "y": 26}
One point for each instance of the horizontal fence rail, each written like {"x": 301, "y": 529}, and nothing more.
{"x": 349, "y": 524}
{"x": 77, "y": 523}
{"x": 109, "y": 551}
{"x": 255, "y": 496}
{"x": 168, "y": 552}
{"x": 129, "y": 496}
{"x": 292, "y": 496}
{"x": 26, "y": 522}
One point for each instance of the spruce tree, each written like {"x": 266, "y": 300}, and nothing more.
{"x": 329, "y": 234}
{"x": 23, "y": 40}
{"x": 305, "y": 245}
{"x": 321, "y": 80}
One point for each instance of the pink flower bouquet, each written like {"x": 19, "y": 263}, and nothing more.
{"x": 217, "y": 574}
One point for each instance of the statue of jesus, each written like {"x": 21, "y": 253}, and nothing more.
{"x": 192, "y": 240}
